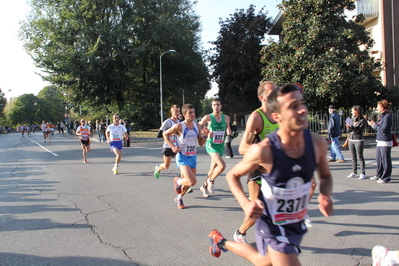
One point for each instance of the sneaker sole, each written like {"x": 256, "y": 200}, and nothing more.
{"x": 215, "y": 251}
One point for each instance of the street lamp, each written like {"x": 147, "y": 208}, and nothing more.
{"x": 160, "y": 79}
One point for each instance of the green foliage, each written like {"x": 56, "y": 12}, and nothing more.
{"x": 323, "y": 51}
{"x": 104, "y": 55}
{"x": 207, "y": 106}
{"x": 236, "y": 62}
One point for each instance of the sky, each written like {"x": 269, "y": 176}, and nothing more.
{"x": 18, "y": 74}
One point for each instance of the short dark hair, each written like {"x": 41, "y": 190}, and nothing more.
{"x": 186, "y": 107}
{"x": 216, "y": 99}
{"x": 272, "y": 104}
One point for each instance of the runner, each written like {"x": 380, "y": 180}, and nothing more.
{"x": 22, "y": 129}
{"x": 218, "y": 125}
{"x": 43, "y": 127}
{"x": 115, "y": 132}
{"x": 259, "y": 125}
{"x": 167, "y": 152}
{"x": 288, "y": 159}
{"x": 188, "y": 133}
{"x": 84, "y": 132}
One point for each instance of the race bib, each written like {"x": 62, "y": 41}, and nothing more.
{"x": 218, "y": 137}
{"x": 115, "y": 138}
{"x": 288, "y": 205}
{"x": 85, "y": 136}
{"x": 190, "y": 150}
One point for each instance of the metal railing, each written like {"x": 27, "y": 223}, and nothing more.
{"x": 318, "y": 121}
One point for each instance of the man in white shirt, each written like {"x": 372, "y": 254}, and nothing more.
{"x": 115, "y": 133}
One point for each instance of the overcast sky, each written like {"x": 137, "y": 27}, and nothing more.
{"x": 18, "y": 73}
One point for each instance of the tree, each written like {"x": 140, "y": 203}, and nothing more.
{"x": 53, "y": 100}
{"x": 105, "y": 54}
{"x": 236, "y": 62}
{"x": 325, "y": 52}
{"x": 27, "y": 109}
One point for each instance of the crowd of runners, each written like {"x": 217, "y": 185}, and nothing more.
{"x": 280, "y": 156}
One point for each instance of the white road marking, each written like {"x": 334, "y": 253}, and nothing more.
{"x": 44, "y": 148}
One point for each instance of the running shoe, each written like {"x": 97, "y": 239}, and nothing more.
{"x": 176, "y": 186}
{"x": 381, "y": 181}
{"x": 115, "y": 170}
{"x": 215, "y": 237}
{"x": 179, "y": 202}
{"x": 308, "y": 222}
{"x": 156, "y": 173}
{"x": 378, "y": 254}
{"x": 374, "y": 178}
{"x": 352, "y": 175}
{"x": 240, "y": 238}
{"x": 362, "y": 176}
{"x": 190, "y": 190}
{"x": 211, "y": 186}
{"x": 204, "y": 191}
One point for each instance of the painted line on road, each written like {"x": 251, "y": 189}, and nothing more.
{"x": 44, "y": 148}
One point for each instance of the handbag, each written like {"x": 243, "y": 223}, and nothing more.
{"x": 394, "y": 142}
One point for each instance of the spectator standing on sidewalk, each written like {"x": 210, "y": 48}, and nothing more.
{"x": 356, "y": 141}
{"x": 384, "y": 143}
{"x": 334, "y": 132}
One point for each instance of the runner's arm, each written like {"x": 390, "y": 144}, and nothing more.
{"x": 249, "y": 133}
{"x": 251, "y": 161}
{"x": 175, "y": 129}
{"x": 325, "y": 177}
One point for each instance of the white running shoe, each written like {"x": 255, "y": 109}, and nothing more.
{"x": 308, "y": 222}
{"x": 362, "y": 176}
{"x": 378, "y": 254}
{"x": 115, "y": 170}
{"x": 204, "y": 191}
{"x": 374, "y": 178}
{"x": 352, "y": 175}
{"x": 240, "y": 238}
{"x": 211, "y": 186}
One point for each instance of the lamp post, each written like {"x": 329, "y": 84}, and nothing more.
{"x": 160, "y": 79}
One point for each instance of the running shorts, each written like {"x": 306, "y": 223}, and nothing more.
{"x": 187, "y": 160}
{"x": 116, "y": 144}
{"x": 168, "y": 152}
{"x": 214, "y": 148}
{"x": 85, "y": 142}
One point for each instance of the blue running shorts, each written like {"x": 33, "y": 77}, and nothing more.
{"x": 116, "y": 144}
{"x": 187, "y": 160}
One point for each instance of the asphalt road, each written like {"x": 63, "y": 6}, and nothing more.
{"x": 55, "y": 210}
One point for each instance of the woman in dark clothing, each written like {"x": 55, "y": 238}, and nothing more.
{"x": 384, "y": 143}
{"x": 356, "y": 141}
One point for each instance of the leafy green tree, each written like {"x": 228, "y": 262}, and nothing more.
{"x": 53, "y": 100}
{"x": 27, "y": 109}
{"x": 236, "y": 61}
{"x": 3, "y": 102}
{"x": 104, "y": 55}
{"x": 325, "y": 52}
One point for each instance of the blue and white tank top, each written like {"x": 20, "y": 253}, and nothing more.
{"x": 187, "y": 141}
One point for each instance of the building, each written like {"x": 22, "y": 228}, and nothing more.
{"x": 383, "y": 26}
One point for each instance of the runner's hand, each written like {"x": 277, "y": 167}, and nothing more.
{"x": 325, "y": 204}
{"x": 254, "y": 209}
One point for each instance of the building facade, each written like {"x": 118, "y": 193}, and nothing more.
{"x": 383, "y": 26}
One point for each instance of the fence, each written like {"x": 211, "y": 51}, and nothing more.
{"x": 318, "y": 121}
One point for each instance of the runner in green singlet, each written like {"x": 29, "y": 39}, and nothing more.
{"x": 218, "y": 126}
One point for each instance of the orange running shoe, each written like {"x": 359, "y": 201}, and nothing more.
{"x": 215, "y": 237}
{"x": 180, "y": 203}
